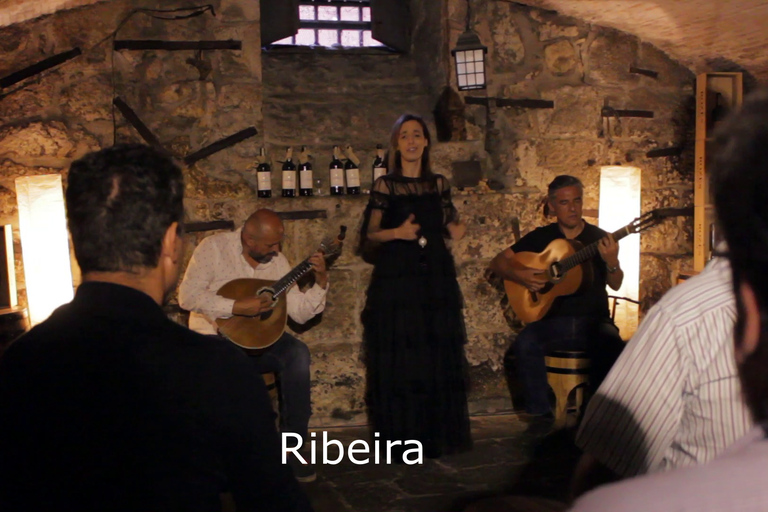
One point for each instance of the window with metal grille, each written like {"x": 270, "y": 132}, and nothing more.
{"x": 333, "y": 23}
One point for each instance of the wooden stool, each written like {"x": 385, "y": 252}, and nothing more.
{"x": 566, "y": 371}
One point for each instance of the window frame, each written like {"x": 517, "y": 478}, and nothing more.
{"x": 338, "y": 25}
{"x": 389, "y": 21}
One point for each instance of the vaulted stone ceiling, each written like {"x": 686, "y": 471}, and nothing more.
{"x": 16, "y": 11}
{"x": 704, "y": 35}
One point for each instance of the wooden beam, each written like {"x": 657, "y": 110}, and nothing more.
{"x": 219, "y": 145}
{"x": 645, "y": 72}
{"x": 303, "y": 214}
{"x": 334, "y": 25}
{"x": 685, "y": 211}
{"x": 341, "y": 3}
{"x": 476, "y": 100}
{"x": 509, "y": 102}
{"x": 524, "y": 103}
{"x": 38, "y": 67}
{"x": 612, "y": 112}
{"x": 193, "y": 227}
{"x": 658, "y": 152}
{"x": 154, "y": 44}
{"x": 138, "y": 124}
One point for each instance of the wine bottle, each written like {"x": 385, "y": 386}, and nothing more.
{"x": 289, "y": 174}
{"x": 264, "y": 175}
{"x": 336, "y": 169}
{"x": 305, "y": 173}
{"x": 352, "y": 171}
{"x": 379, "y": 167}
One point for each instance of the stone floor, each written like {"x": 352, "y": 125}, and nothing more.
{"x": 510, "y": 456}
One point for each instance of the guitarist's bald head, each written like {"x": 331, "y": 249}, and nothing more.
{"x": 263, "y": 222}
{"x": 261, "y": 236}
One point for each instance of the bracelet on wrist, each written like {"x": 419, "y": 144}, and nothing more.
{"x": 611, "y": 269}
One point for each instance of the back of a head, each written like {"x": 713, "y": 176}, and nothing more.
{"x": 263, "y": 221}
{"x": 739, "y": 182}
{"x": 120, "y": 202}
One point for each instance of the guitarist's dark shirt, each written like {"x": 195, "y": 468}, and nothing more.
{"x": 110, "y": 406}
{"x": 592, "y": 301}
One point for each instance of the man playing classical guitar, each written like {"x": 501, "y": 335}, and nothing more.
{"x": 575, "y": 322}
{"x": 253, "y": 251}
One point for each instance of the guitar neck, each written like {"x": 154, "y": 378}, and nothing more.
{"x": 285, "y": 282}
{"x": 589, "y": 251}
{"x": 326, "y": 248}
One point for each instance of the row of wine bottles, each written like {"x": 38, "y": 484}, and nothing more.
{"x": 345, "y": 177}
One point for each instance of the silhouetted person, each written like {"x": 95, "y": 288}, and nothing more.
{"x": 736, "y": 479}
{"x": 110, "y": 406}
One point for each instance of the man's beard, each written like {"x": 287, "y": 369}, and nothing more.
{"x": 262, "y": 258}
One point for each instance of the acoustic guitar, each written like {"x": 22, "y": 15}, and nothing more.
{"x": 262, "y": 330}
{"x": 562, "y": 261}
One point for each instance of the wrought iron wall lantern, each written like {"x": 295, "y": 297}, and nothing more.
{"x": 469, "y": 56}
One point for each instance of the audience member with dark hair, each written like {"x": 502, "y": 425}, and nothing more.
{"x": 580, "y": 321}
{"x": 735, "y": 480}
{"x": 108, "y": 404}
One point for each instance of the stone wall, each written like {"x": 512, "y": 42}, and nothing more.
{"x": 320, "y": 98}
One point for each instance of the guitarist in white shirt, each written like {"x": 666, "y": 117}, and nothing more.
{"x": 576, "y": 322}
{"x": 253, "y": 251}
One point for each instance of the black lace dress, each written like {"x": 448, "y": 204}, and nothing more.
{"x": 414, "y": 330}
